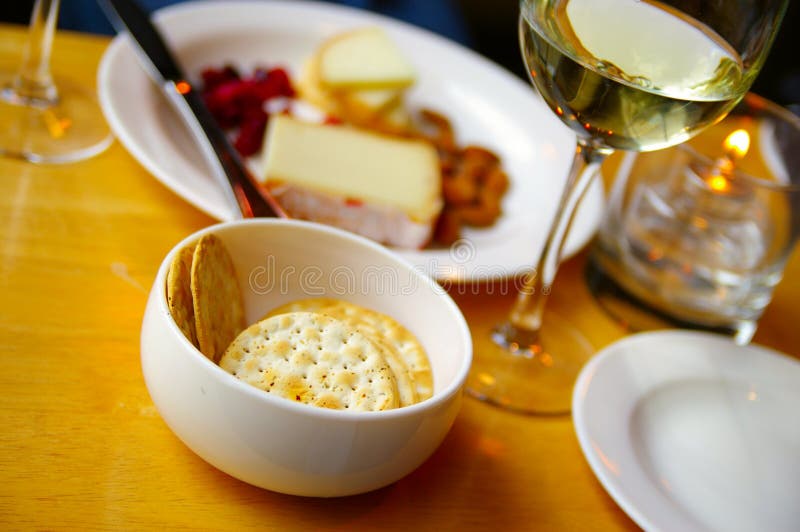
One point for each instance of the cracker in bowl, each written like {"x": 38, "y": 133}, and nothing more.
{"x": 179, "y": 293}
{"x": 217, "y": 298}
{"x": 313, "y": 359}
{"x": 413, "y": 361}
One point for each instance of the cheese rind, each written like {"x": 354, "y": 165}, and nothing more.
{"x": 355, "y": 166}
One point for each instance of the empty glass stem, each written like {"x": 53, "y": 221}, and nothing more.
{"x": 34, "y": 85}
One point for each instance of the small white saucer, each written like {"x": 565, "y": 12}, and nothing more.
{"x": 688, "y": 431}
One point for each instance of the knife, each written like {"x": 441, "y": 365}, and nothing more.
{"x": 244, "y": 196}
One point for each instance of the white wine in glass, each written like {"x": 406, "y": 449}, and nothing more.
{"x": 42, "y": 121}
{"x": 634, "y": 75}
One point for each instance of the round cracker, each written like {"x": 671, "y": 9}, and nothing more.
{"x": 313, "y": 359}
{"x": 218, "y": 305}
{"x": 179, "y": 293}
{"x": 407, "y": 393}
{"x": 375, "y": 325}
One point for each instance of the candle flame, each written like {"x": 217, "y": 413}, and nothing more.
{"x": 737, "y": 144}
{"x": 718, "y": 183}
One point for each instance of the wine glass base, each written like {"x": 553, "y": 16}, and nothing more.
{"x": 531, "y": 379}
{"x": 70, "y": 130}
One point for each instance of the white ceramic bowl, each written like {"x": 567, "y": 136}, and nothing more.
{"x": 285, "y": 446}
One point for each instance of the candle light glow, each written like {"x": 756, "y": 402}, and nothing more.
{"x": 736, "y": 146}
{"x": 718, "y": 183}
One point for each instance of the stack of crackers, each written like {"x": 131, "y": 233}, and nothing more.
{"x": 323, "y": 352}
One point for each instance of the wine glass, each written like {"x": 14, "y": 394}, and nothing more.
{"x": 43, "y": 122}
{"x": 634, "y": 75}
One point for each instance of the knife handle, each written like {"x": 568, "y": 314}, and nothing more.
{"x": 246, "y": 197}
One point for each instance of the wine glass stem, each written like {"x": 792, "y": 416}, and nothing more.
{"x": 526, "y": 314}
{"x": 34, "y": 85}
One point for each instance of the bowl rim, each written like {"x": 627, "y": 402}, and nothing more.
{"x": 231, "y": 382}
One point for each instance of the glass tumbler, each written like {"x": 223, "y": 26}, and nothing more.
{"x": 697, "y": 236}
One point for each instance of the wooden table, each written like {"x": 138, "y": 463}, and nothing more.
{"x": 83, "y": 447}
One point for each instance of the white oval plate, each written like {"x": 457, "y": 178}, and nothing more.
{"x": 487, "y": 105}
{"x": 688, "y": 431}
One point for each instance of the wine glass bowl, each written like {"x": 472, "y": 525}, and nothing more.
{"x": 621, "y": 74}
{"x": 633, "y": 101}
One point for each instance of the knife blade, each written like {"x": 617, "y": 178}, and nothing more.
{"x": 242, "y": 193}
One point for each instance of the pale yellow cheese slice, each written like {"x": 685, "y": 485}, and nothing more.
{"x": 364, "y": 58}
{"x": 360, "y": 106}
{"x": 349, "y": 163}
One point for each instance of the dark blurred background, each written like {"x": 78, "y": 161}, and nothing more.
{"x": 488, "y": 27}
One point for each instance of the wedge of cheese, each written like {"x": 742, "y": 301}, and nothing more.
{"x": 360, "y": 106}
{"x": 384, "y": 188}
{"x": 364, "y": 58}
